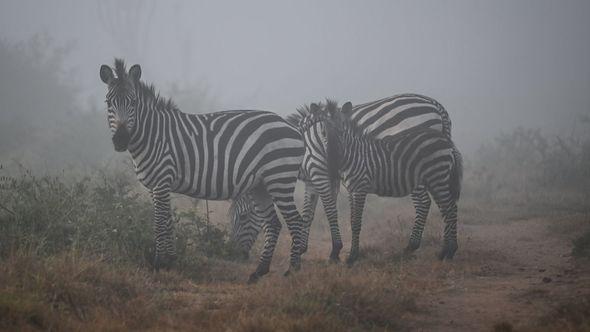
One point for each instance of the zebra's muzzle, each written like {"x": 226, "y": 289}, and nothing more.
{"x": 121, "y": 139}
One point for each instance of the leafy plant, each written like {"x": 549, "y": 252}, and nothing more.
{"x": 106, "y": 215}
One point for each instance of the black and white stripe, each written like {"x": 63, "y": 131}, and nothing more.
{"x": 395, "y": 166}
{"x": 386, "y": 117}
{"x": 217, "y": 156}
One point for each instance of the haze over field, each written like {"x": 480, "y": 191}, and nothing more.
{"x": 495, "y": 65}
{"x": 77, "y": 228}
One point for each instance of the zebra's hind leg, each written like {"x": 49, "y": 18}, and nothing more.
{"x": 357, "y": 204}
{"x": 450, "y": 245}
{"x": 422, "y": 202}
{"x": 285, "y": 203}
{"x": 310, "y": 203}
{"x": 448, "y": 208}
{"x": 272, "y": 229}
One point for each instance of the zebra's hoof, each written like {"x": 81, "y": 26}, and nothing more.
{"x": 292, "y": 269}
{"x": 352, "y": 259}
{"x": 412, "y": 246}
{"x": 335, "y": 254}
{"x": 253, "y": 278}
{"x": 334, "y": 258}
{"x": 448, "y": 251}
{"x": 163, "y": 261}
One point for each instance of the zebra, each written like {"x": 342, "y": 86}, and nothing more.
{"x": 393, "y": 166}
{"x": 386, "y": 117}
{"x": 216, "y": 156}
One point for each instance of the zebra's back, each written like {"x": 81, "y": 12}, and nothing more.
{"x": 398, "y": 114}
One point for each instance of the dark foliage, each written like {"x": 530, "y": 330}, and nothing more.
{"x": 107, "y": 215}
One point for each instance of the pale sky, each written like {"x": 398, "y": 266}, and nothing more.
{"x": 494, "y": 65}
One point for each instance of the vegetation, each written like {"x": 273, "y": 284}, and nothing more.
{"x": 107, "y": 216}
{"x": 582, "y": 245}
{"x": 530, "y": 169}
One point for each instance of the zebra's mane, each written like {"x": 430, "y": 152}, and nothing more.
{"x": 294, "y": 119}
{"x": 161, "y": 103}
{"x": 304, "y": 117}
{"x": 123, "y": 81}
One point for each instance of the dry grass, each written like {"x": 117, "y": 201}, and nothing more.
{"x": 71, "y": 290}
{"x": 74, "y": 290}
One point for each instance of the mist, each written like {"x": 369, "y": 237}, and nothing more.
{"x": 78, "y": 232}
{"x": 494, "y": 65}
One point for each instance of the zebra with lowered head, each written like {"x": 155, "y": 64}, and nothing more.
{"x": 386, "y": 117}
{"x": 217, "y": 156}
{"x": 395, "y": 166}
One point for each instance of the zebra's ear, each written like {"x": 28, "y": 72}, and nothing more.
{"x": 106, "y": 74}
{"x": 314, "y": 109}
{"x": 135, "y": 73}
{"x": 347, "y": 107}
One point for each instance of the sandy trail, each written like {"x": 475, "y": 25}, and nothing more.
{"x": 515, "y": 273}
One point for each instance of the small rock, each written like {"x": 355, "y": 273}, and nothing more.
{"x": 542, "y": 270}
{"x": 547, "y": 280}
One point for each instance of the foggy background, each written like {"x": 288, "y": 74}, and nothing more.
{"x": 494, "y": 65}
{"x": 76, "y": 227}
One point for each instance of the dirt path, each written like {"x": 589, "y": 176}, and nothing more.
{"x": 513, "y": 273}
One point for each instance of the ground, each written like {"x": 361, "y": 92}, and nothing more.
{"x": 513, "y": 272}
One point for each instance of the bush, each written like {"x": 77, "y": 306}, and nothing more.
{"x": 527, "y": 165}
{"x": 582, "y": 245}
{"x": 107, "y": 215}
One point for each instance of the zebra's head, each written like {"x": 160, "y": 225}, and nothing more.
{"x": 121, "y": 100}
{"x": 320, "y": 127}
{"x": 245, "y": 224}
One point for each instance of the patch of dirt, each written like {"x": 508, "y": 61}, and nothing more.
{"x": 508, "y": 276}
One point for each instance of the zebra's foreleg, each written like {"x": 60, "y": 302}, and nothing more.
{"x": 422, "y": 202}
{"x": 272, "y": 228}
{"x": 329, "y": 203}
{"x": 165, "y": 253}
{"x": 357, "y": 204}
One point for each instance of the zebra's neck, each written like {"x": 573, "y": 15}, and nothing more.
{"x": 357, "y": 154}
{"x": 149, "y": 141}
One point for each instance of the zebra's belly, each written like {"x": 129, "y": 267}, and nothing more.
{"x": 209, "y": 196}
{"x": 389, "y": 192}
{"x": 215, "y": 190}
{"x": 391, "y": 189}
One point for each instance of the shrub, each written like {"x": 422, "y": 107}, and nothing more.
{"x": 527, "y": 165}
{"x": 582, "y": 245}
{"x": 107, "y": 215}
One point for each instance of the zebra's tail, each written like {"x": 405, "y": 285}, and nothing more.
{"x": 445, "y": 119}
{"x": 456, "y": 174}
